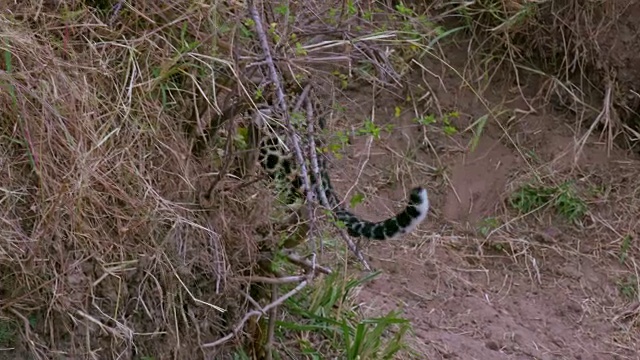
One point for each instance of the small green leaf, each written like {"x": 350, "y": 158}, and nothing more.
{"x": 450, "y": 130}
{"x": 356, "y": 199}
{"x": 624, "y": 248}
{"x": 426, "y": 120}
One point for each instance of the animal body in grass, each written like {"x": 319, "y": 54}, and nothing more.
{"x": 279, "y": 164}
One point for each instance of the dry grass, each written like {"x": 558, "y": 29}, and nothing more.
{"x": 109, "y": 111}
{"x": 107, "y": 251}
{"x": 104, "y": 253}
{"x": 572, "y": 49}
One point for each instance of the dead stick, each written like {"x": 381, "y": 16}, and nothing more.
{"x": 283, "y": 107}
{"x": 276, "y": 280}
{"x": 282, "y": 104}
{"x": 323, "y": 196}
{"x": 273, "y": 316}
{"x": 298, "y": 260}
{"x": 257, "y": 313}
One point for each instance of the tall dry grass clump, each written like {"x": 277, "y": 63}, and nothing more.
{"x": 577, "y": 51}
{"x": 123, "y": 233}
{"x": 104, "y": 252}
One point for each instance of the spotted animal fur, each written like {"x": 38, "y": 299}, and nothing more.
{"x": 280, "y": 163}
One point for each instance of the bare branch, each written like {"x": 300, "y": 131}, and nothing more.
{"x": 257, "y": 313}
{"x": 282, "y": 104}
{"x": 323, "y": 197}
{"x": 269, "y": 280}
{"x": 271, "y": 329}
{"x": 298, "y": 260}
{"x": 283, "y": 107}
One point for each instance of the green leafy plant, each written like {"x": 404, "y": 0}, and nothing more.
{"x": 246, "y": 26}
{"x": 477, "y": 133}
{"x": 326, "y": 312}
{"x": 562, "y": 198}
{"x": 529, "y": 198}
{"x": 337, "y": 143}
{"x": 342, "y": 78}
{"x": 568, "y": 204}
{"x": 356, "y": 199}
{"x": 370, "y": 128}
{"x": 624, "y": 248}
{"x": 300, "y": 51}
{"x": 628, "y": 287}
{"x": 487, "y": 225}
{"x": 447, "y": 125}
{"x": 426, "y": 120}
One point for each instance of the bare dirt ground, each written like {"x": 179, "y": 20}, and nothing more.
{"x": 538, "y": 287}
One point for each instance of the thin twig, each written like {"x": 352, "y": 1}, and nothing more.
{"x": 314, "y": 163}
{"x": 604, "y": 117}
{"x": 282, "y": 104}
{"x": 252, "y": 301}
{"x": 283, "y": 107}
{"x": 272, "y": 323}
{"x": 298, "y": 260}
{"x": 27, "y": 329}
{"x": 225, "y": 166}
{"x": 115, "y": 10}
{"x": 323, "y": 197}
{"x": 270, "y": 280}
{"x": 305, "y": 95}
{"x": 186, "y": 288}
{"x": 257, "y": 313}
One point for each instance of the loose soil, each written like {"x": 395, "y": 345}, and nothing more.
{"x": 538, "y": 286}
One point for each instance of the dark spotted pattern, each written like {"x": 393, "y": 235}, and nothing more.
{"x": 279, "y": 165}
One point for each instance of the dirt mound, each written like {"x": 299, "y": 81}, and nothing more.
{"x": 598, "y": 43}
{"x": 572, "y": 54}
